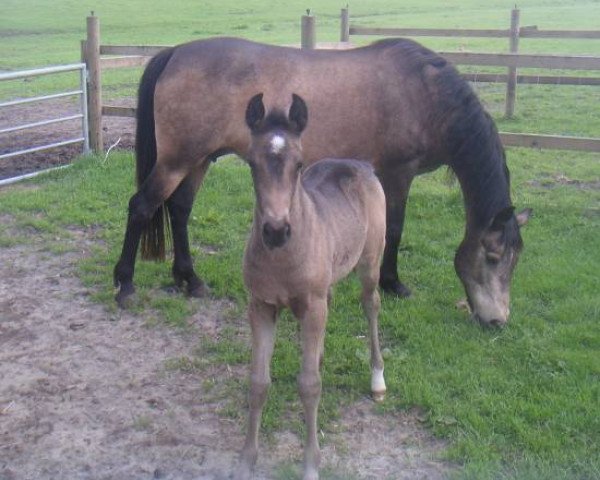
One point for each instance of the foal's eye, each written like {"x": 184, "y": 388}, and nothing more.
{"x": 299, "y": 166}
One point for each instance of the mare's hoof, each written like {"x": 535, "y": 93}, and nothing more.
{"x": 172, "y": 289}
{"x": 200, "y": 290}
{"x": 124, "y": 301}
{"x": 124, "y": 298}
{"x": 395, "y": 287}
{"x": 463, "y": 305}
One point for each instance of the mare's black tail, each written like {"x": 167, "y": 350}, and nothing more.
{"x": 153, "y": 236}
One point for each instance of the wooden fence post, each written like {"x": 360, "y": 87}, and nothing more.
{"x": 344, "y": 25}
{"x": 308, "y": 39}
{"x": 94, "y": 83}
{"x": 511, "y": 83}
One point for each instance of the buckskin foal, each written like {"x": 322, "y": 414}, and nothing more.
{"x": 310, "y": 230}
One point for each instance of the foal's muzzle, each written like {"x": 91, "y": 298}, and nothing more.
{"x": 276, "y": 236}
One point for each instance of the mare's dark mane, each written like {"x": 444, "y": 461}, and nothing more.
{"x": 475, "y": 152}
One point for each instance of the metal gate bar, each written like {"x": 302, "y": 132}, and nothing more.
{"x": 39, "y": 99}
{"x": 82, "y": 92}
{"x": 36, "y": 72}
{"x": 40, "y": 124}
{"x": 43, "y": 147}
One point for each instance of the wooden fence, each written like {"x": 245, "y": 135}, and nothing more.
{"x": 514, "y": 33}
{"x": 100, "y": 57}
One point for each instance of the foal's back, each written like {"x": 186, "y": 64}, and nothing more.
{"x": 341, "y": 184}
{"x": 351, "y": 205}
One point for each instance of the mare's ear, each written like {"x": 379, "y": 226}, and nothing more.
{"x": 501, "y": 219}
{"x": 523, "y": 216}
{"x": 255, "y": 112}
{"x": 298, "y": 115}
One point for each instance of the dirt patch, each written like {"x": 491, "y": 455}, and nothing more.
{"x": 557, "y": 180}
{"x": 85, "y": 393}
{"x": 115, "y": 128}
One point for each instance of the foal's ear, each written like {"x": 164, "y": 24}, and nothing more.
{"x": 298, "y": 115}
{"x": 255, "y": 112}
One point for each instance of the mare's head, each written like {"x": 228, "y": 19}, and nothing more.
{"x": 275, "y": 158}
{"x": 485, "y": 262}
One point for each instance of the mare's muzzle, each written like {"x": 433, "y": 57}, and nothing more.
{"x": 276, "y": 235}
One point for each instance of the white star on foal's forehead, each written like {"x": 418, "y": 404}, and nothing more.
{"x": 277, "y": 143}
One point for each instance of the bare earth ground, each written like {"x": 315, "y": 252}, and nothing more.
{"x": 115, "y": 129}
{"x": 85, "y": 393}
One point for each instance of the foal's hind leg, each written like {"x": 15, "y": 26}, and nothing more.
{"x": 371, "y": 304}
{"x": 157, "y": 187}
{"x": 179, "y": 206}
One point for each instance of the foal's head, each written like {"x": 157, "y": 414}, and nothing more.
{"x": 275, "y": 158}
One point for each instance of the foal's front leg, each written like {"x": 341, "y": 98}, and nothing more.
{"x": 312, "y": 326}
{"x": 262, "y": 318}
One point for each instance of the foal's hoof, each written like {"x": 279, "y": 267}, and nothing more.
{"x": 242, "y": 473}
{"x": 395, "y": 287}
{"x": 378, "y": 397}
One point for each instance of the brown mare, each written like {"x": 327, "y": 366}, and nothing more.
{"x": 310, "y": 230}
{"x": 393, "y": 103}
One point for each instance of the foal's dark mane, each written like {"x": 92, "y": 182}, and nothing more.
{"x": 475, "y": 152}
{"x": 275, "y": 120}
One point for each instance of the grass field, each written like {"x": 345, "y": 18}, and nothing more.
{"x": 518, "y": 403}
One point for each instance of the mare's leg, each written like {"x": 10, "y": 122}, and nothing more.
{"x": 179, "y": 206}
{"x": 262, "y": 318}
{"x": 312, "y": 317}
{"x": 396, "y": 186}
{"x": 158, "y": 186}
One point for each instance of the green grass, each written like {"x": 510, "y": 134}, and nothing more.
{"x": 522, "y": 402}
{"x": 517, "y": 403}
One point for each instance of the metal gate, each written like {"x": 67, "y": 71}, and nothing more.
{"x": 82, "y": 93}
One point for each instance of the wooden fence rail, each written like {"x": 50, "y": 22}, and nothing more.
{"x": 523, "y": 60}
{"x": 524, "y": 32}
{"x": 118, "y": 56}
{"x": 513, "y": 33}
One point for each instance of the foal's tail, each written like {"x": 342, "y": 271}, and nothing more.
{"x": 153, "y": 235}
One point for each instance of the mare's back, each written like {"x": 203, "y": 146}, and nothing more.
{"x": 219, "y": 75}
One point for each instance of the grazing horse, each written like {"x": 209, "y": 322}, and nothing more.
{"x": 393, "y": 103}
{"x": 310, "y": 229}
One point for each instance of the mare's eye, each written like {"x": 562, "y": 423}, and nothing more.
{"x": 299, "y": 166}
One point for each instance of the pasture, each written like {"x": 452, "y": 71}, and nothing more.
{"x": 522, "y": 402}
